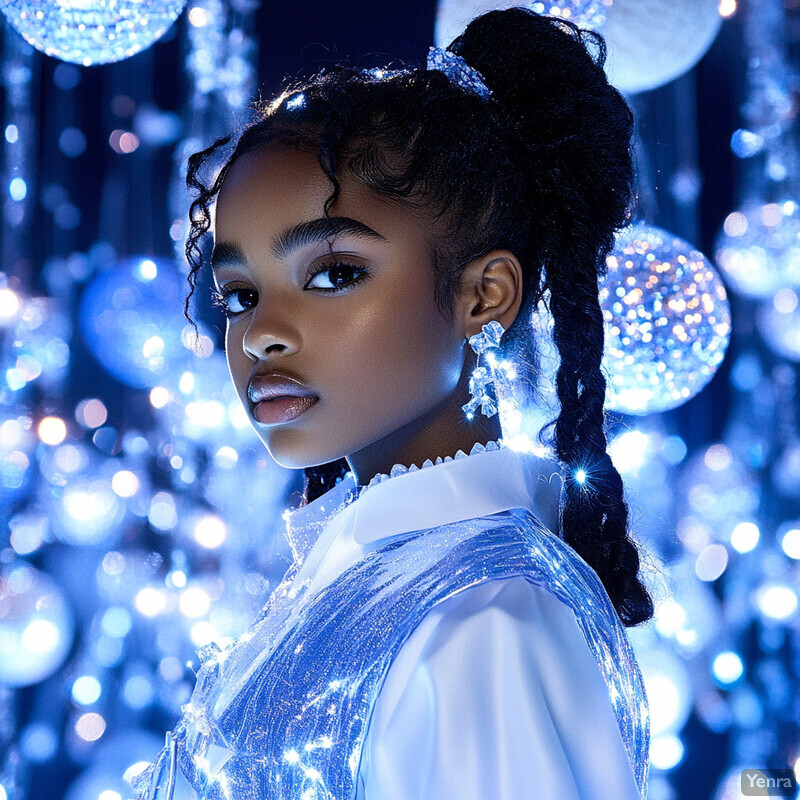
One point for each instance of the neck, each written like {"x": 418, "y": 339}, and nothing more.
{"x": 440, "y": 432}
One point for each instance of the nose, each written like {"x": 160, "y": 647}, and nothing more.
{"x": 269, "y": 332}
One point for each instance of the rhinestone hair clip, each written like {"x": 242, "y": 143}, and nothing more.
{"x": 458, "y": 71}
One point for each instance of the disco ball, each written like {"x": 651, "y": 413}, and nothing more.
{"x": 452, "y": 16}
{"x": 92, "y": 31}
{"x": 667, "y": 322}
{"x": 36, "y": 625}
{"x": 131, "y": 317}
{"x": 758, "y": 248}
{"x": 642, "y": 54}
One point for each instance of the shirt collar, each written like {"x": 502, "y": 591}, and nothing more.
{"x": 451, "y": 489}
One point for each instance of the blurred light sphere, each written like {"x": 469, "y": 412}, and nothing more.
{"x": 668, "y": 687}
{"x": 251, "y": 493}
{"x": 778, "y": 321}
{"x": 36, "y": 625}
{"x": 667, "y": 317}
{"x": 87, "y": 511}
{"x": 650, "y": 43}
{"x": 127, "y": 753}
{"x": 92, "y": 31}
{"x": 786, "y": 470}
{"x": 99, "y": 783}
{"x": 758, "y": 248}
{"x": 719, "y": 489}
{"x": 641, "y": 55}
{"x": 17, "y": 462}
{"x": 202, "y": 403}
{"x": 40, "y": 350}
{"x": 131, "y": 317}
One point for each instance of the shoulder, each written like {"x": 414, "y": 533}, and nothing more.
{"x": 513, "y": 616}
{"x": 489, "y": 690}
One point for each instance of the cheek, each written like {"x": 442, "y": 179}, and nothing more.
{"x": 398, "y": 357}
{"x": 239, "y": 365}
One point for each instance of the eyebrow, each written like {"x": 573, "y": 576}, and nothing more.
{"x": 312, "y": 232}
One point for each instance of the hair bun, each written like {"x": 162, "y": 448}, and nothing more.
{"x": 546, "y": 75}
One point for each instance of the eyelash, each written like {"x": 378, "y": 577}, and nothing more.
{"x": 220, "y": 299}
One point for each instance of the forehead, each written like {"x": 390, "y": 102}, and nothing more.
{"x": 269, "y": 187}
{"x": 268, "y": 191}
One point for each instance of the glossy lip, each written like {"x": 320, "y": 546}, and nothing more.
{"x": 269, "y": 385}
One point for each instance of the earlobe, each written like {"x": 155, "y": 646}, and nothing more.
{"x": 491, "y": 289}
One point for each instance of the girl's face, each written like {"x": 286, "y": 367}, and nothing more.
{"x": 356, "y": 323}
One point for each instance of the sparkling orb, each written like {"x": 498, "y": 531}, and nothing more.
{"x": 778, "y": 321}
{"x": 667, "y": 320}
{"x": 641, "y": 55}
{"x": 92, "y": 31}
{"x": 650, "y": 43}
{"x": 758, "y": 248}
{"x": 131, "y": 317}
{"x": 36, "y": 625}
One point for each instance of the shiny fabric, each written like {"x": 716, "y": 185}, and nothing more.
{"x": 495, "y": 695}
{"x": 283, "y": 712}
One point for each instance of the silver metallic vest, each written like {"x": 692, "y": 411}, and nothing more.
{"x": 283, "y": 712}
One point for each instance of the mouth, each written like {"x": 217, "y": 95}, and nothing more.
{"x": 277, "y": 398}
{"x": 284, "y": 408}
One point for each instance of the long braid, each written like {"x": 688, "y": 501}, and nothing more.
{"x": 594, "y": 515}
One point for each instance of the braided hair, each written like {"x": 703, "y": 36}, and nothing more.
{"x": 543, "y": 168}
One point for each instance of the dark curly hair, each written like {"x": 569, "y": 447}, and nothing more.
{"x": 543, "y": 168}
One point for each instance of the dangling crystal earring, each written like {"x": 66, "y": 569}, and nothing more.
{"x": 486, "y": 382}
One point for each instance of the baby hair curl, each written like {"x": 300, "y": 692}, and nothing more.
{"x": 543, "y": 168}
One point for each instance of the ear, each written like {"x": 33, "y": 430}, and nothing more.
{"x": 490, "y": 288}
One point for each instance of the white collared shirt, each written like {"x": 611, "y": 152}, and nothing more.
{"x": 496, "y": 694}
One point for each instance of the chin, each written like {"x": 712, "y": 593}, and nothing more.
{"x": 296, "y": 450}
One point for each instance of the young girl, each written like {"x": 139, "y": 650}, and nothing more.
{"x": 441, "y": 634}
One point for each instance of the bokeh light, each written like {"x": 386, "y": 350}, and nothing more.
{"x": 758, "y": 248}
{"x": 131, "y": 320}
{"x": 36, "y": 625}
{"x": 52, "y": 430}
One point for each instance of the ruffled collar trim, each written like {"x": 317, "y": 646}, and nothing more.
{"x": 401, "y": 469}
{"x": 305, "y": 523}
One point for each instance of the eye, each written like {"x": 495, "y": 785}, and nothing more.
{"x": 234, "y": 300}
{"x": 336, "y": 277}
